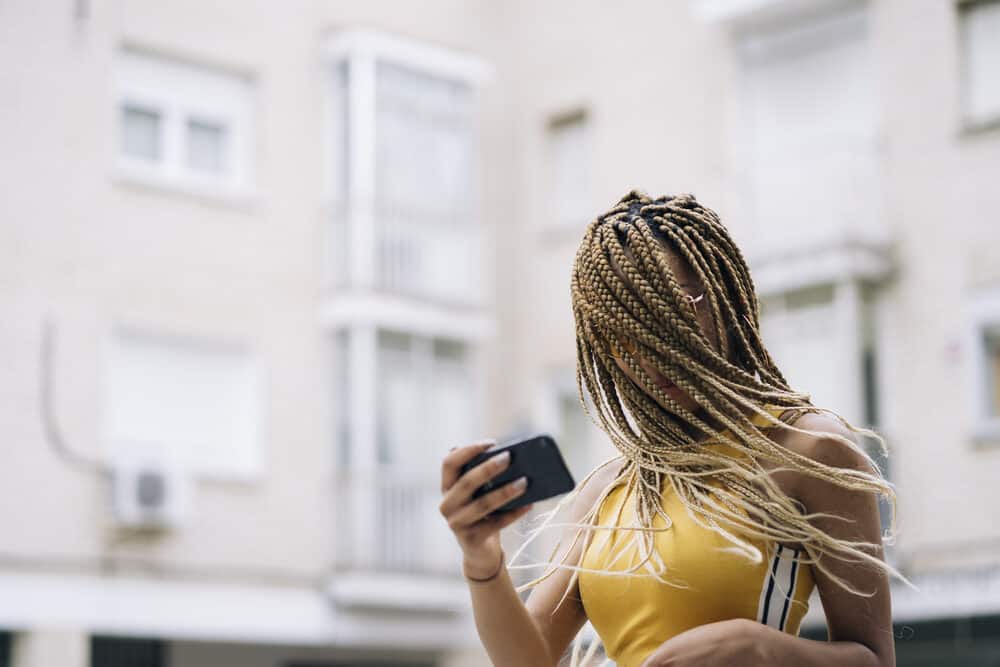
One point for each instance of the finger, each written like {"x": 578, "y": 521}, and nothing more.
{"x": 452, "y": 463}
{"x": 462, "y": 491}
{"x": 482, "y": 506}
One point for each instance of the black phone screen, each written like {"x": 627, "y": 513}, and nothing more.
{"x": 536, "y": 457}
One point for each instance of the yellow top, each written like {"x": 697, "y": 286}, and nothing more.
{"x": 633, "y": 616}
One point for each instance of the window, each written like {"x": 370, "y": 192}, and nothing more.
{"x": 426, "y": 399}
{"x": 983, "y": 340}
{"x": 991, "y": 343}
{"x": 342, "y": 412}
{"x": 184, "y": 126}
{"x": 989, "y": 356}
{"x": 809, "y": 132}
{"x": 196, "y": 399}
{"x": 207, "y": 146}
{"x": 979, "y": 22}
{"x": 575, "y": 432}
{"x": 403, "y": 178}
{"x": 569, "y": 148}
{"x": 560, "y": 413}
{"x": 423, "y": 145}
{"x": 413, "y": 396}
{"x": 141, "y": 133}
{"x": 795, "y": 327}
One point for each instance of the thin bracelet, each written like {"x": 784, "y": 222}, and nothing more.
{"x": 493, "y": 576}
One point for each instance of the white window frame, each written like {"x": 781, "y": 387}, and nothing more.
{"x": 361, "y": 49}
{"x": 580, "y": 118}
{"x": 252, "y": 468}
{"x": 969, "y": 122}
{"x": 983, "y": 312}
{"x": 180, "y": 92}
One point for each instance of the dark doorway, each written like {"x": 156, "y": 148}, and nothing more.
{"x": 127, "y": 652}
{"x": 969, "y": 641}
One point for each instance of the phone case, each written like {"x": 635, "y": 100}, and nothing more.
{"x": 538, "y": 458}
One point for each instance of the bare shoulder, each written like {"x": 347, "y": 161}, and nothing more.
{"x": 822, "y": 445}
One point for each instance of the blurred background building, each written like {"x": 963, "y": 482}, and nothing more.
{"x": 262, "y": 263}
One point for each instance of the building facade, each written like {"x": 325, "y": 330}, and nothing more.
{"x": 263, "y": 264}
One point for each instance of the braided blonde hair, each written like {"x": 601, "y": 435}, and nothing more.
{"x": 649, "y": 316}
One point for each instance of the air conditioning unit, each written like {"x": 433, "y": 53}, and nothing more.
{"x": 151, "y": 491}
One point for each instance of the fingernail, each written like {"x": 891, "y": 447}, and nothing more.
{"x": 503, "y": 458}
{"x": 521, "y": 482}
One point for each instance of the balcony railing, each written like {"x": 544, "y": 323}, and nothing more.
{"x": 389, "y": 522}
{"x": 420, "y": 254}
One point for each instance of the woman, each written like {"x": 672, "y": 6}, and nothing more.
{"x": 733, "y": 495}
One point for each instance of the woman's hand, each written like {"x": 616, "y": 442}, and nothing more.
{"x": 477, "y": 533}
{"x": 719, "y": 644}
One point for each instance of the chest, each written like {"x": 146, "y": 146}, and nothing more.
{"x": 705, "y": 579}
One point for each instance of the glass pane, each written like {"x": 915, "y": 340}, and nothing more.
{"x": 398, "y": 431}
{"x": 206, "y": 146}
{"x": 453, "y": 396}
{"x": 424, "y": 151}
{"x": 342, "y": 373}
{"x": 141, "y": 133}
{"x": 993, "y": 372}
{"x": 569, "y": 143}
{"x": 574, "y": 432}
{"x": 424, "y": 186}
{"x": 981, "y": 46}
{"x": 800, "y": 338}
{"x": 342, "y": 136}
{"x": 809, "y": 119}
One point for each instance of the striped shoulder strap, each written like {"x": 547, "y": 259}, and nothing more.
{"x": 778, "y": 587}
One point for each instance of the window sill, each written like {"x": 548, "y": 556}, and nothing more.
{"x": 242, "y": 199}
{"x": 986, "y": 435}
{"x": 972, "y": 129}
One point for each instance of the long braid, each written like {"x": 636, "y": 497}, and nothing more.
{"x": 643, "y": 313}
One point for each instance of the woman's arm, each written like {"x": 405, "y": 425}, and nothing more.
{"x": 748, "y": 643}
{"x": 860, "y": 628}
{"x": 515, "y": 633}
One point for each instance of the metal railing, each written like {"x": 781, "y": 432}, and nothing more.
{"x": 389, "y": 521}
{"x": 432, "y": 255}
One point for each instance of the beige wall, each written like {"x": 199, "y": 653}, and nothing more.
{"x": 93, "y": 253}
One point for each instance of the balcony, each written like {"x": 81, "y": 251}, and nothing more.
{"x": 424, "y": 255}
{"x": 403, "y": 228}
{"x": 394, "y": 549}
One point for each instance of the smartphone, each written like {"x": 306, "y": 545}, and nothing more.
{"x": 536, "y": 457}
